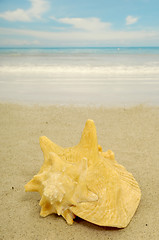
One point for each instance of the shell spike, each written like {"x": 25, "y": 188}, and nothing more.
{"x": 89, "y": 141}
{"x": 89, "y": 135}
{"x": 48, "y": 146}
{"x": 68, "y": 216}
{"x": 33, "y": 185}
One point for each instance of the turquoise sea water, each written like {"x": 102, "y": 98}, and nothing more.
{"x": 107, "y": 76}
{"x": 76, "y": 50}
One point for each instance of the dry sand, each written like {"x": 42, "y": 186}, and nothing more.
{"x": 132, "y": 133}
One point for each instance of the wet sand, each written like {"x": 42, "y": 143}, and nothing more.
{"x": 131, "y": 133}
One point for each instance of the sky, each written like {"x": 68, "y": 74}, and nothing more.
{"x": 82, "y": 23}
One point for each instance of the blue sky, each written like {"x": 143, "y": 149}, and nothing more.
{"x": 52, "y": 23}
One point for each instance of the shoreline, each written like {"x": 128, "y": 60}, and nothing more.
{"x": 131, "y": 132}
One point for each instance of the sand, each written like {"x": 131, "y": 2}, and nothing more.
{"x": 132, "y": 133}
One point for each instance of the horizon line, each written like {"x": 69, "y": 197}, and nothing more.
{"x": 54, "y": 47}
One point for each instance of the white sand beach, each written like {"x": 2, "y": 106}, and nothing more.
{"x": 131, "y": 133}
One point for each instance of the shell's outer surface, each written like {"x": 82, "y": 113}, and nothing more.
{"x": 84, "y": 181}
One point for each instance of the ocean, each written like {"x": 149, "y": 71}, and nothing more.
{"x": 83, "y": 76}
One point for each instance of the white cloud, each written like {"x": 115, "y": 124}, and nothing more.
{"x": 79, "y": 38}
{"x": 79, "y": 32}
{"x": 38, "y": 7}
{"x": 87, "y": 24}
{"x": 131, "y": 20}
{"x": 18, "y": 42}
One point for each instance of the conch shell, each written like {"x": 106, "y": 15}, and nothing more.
{"x": 83, "y": 181}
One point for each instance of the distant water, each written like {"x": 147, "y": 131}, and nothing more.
{"x": 107, "y": 76}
